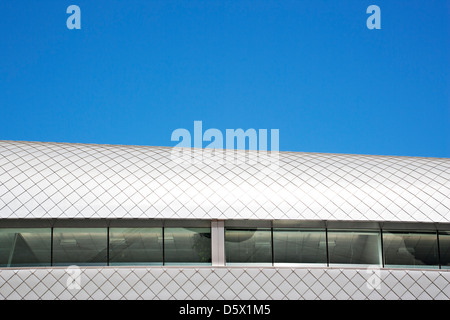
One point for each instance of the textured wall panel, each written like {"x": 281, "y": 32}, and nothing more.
{"x": 57, "y": 180}
{"x": 224, "y": 283}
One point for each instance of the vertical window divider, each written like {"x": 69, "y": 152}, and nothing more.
{"x": 51, "y": 246}
{"x": 163, "y": 248}
{"x": 271, "y": 245}
{"x": 439, "y": 249}
{"x": 326, "y": 245}
{"x": 107, "y": 246}
{"x": 382, "y": 247}
{"x": 217, "y": 243}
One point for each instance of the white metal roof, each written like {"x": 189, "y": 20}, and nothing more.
{"x": 65, "y": 180}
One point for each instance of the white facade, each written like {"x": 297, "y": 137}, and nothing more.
{"x": 59, "y": 181}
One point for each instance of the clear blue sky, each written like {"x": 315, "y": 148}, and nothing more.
{"x": 137, "y": 70}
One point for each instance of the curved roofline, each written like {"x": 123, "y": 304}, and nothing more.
{"x": 82, "y": 180}
{"x": 244, "y": 150}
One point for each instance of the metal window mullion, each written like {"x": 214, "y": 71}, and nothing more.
{"x": 217, "y": 243}
{"x": 271, "y": 245}
{"x": 51, "y": 246}
{"x": 326, "y": 246}
{"x": 107, "y": 246}
{"x": 382, "y": 247}
{"x": 163, "y": 248}
{"x": 439, "y": 249}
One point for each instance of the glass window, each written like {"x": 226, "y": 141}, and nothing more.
{"x": 25, "y": 247}
{"x": 354, "y": 247}
{"x": 299, "y": 246}
{"x": 444, "y": 246}
{"x": 248, "y": 245}
{"x": 135, "y": 246}
{"x": 80, "y": 246}
{"x": 187, "y": 246}
{"x": 410, "y": 249}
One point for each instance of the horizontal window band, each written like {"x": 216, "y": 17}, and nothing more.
{"x": 229, "y": 223}
{"x": 204, "y": 242}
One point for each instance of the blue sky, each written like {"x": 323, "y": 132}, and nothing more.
{"x": 137, "y": 70}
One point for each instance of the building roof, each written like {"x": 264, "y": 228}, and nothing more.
{"x": 68, "y": 180}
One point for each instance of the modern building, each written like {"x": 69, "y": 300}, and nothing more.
{"x": 81, "y": 221}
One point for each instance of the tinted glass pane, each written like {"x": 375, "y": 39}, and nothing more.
{"x": 349, "y": 247}
{"x": 84, "y": 246}
{"x": 248, "y": 245}
{"x": 410, "y": 249}
{"x": 187, "y": 245}
{"x": 299, "y": 246}
{"x": 444, "y": 246}
{"x": 135, "y": 246}
{"x": 25, "y": 247}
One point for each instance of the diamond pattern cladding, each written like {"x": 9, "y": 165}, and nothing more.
{"x": 224, "y": 283}
{"x": 58, "y": 180}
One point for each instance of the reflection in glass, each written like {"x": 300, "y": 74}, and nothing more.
{"x": 352, "y": 247}
{"x": 299, "y": 246}
{"x": 135, "y": 246}
{"x": 27, "y": 247}
{"x": 248, "y": 245}
{"x": 410, "y": 249}
{"x": 187, "y": 246}
{"x": 83, "y": 247}
{"x": 444, "y": 247}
